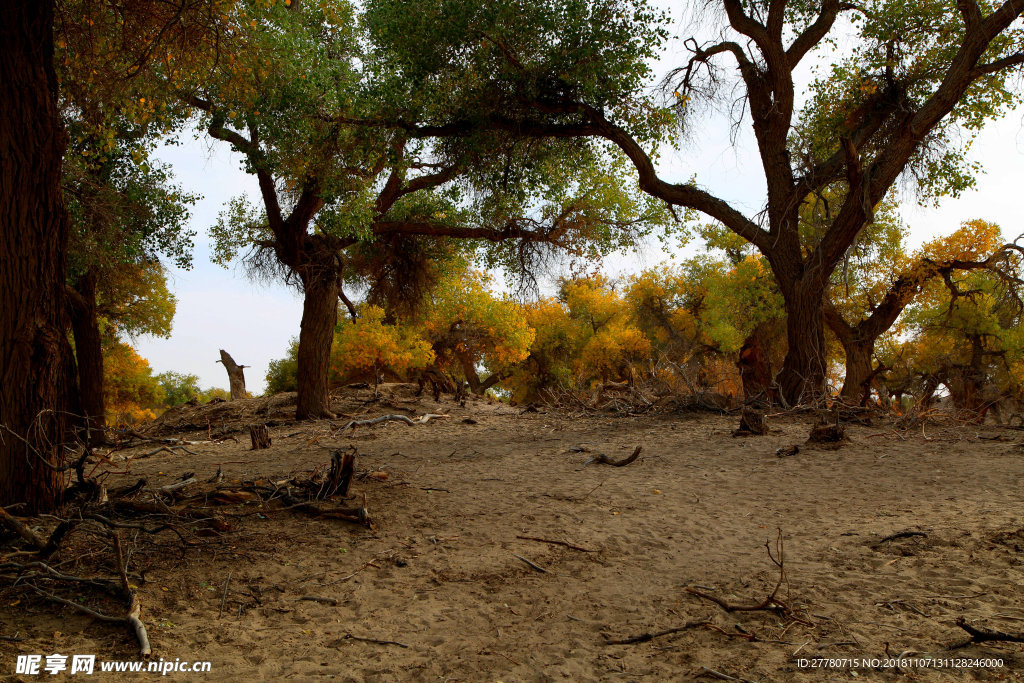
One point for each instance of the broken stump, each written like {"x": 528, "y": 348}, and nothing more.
{"x": 260, "y": 436}
{"x": 752, "y": 423}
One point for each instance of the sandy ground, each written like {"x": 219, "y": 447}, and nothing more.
{"x": 439, "y": 574}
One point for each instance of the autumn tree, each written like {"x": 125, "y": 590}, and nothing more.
{"x": 916, "y": 76}
{"x": 339, "y": 195}
{"x": 473, "y": 330}
{"x": 880, "y": 280}
{"x": 964, "y": 333}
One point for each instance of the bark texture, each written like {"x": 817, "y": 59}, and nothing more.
{"x": 36, "y": 384}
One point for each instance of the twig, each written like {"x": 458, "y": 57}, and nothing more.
{"x": 644, "y": 637}
{"x": 224, "y": 598}
{"x": 532, "y": 564}
{"x": 553, "y": 542}
{"x": 349, "y": 636}
{"x": 901, "y": 534}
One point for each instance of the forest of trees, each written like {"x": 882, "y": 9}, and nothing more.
{"x": 399, "y": 177}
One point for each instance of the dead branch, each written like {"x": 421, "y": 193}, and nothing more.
{"x": 604, "y": 459}
{"x": 532, "y": 564}
{"x": 376, "y": 641}
{"x": 134, "y": 607}
{"x": 352, "y": 424}
{"x": 980, "y": 635}
{"x": 771, "y": 603}
{"x": 644, "y": 637}
{"x": 19, "y": 528}
{"x": 899, "y": 535}
{"x": 553, "y": 542}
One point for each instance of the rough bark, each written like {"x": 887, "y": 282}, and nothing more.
{"x": 36, "y": 385}
{"x": 89, "y": 356}
{"x": 802, "y": 377}
{"x": 260, "y": 437}
{"x": 236, "y": 375}
{"x": 319, "y": 317}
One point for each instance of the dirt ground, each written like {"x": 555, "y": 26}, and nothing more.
{"x": 448, "y": 576}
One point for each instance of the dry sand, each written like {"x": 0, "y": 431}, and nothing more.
{"x": 440, "y": 574}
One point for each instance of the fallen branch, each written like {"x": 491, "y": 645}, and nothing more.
{"x": 979, "y": 635}
{"x": 352, "y": 424}
{"x": 604, "y": 459}
{"x": 532, "y": 564}
{"x": 19, "y": 528}
{"x": 553, "y": 542}
{"x": 900, "y": 534}
{"x": 349, "y": 636}
{"x": 134, "y": 607}
{"x": 644, "y": 637}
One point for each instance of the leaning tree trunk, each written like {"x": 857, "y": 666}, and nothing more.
{"x": 89, "y": 356}
{"x": 802, "y": 378}
{"x": 236, "y": 375}
{"x": 35, "y": 356}
{"x": 319, "y": 316}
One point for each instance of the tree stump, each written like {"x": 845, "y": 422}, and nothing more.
{"x": 236, "y": 376}
{"x": 260, "y": 436}
{"x": 752, "y": 423}
{"x": 828, "y": 432}
{"x": 340, "y": 475}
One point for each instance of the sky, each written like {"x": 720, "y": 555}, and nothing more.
{"x": 221, "y": 308}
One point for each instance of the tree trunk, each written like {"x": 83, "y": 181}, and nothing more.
{"x": 319, "y": 316}
{"x": 236, "y": 375}
{"x": 89, "y": 355}
{"x": 802, "y": 379}
{"x": 35, "y": 357}
{"x": 859, "y": 370}
{"x": 755, "y": 368}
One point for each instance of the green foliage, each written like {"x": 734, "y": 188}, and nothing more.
{"x": 282, "y": 374}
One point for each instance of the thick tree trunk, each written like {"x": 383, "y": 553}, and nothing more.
{"x": 319, "y": 316}
{"x": 802, "y": 378}
{"x": 859, "y": 370}
{"x": 89, "y": 354}
{"x": 36, "y": 384}
{"x": 236, "y": 375}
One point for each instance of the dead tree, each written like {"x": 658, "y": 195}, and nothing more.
{"x": 236, "y": 375}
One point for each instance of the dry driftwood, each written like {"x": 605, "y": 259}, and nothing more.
{"x": 605, "y": 460}
{"x": 352, "y": 424}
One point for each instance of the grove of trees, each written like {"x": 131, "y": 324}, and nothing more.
{"x": 409, "y": 155}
